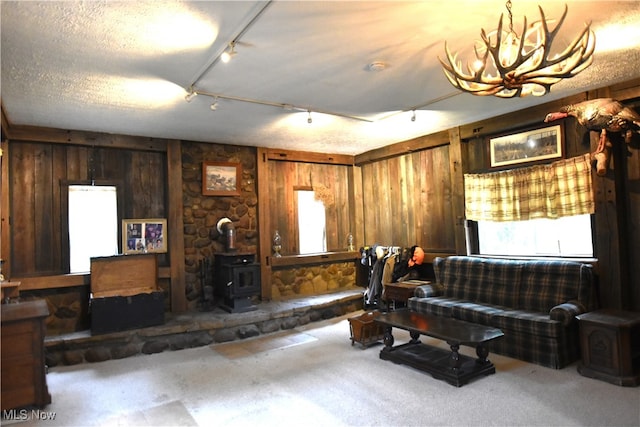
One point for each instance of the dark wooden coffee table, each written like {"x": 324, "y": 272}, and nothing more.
{"x": 450, "y": 366}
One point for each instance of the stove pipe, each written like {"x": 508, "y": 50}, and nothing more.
{"x": 226, "y": 227}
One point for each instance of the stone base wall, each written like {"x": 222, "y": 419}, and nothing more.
{"x": 312, "y": 280}
{"x": 193, "y": 330}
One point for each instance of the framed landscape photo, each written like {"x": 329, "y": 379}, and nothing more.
{"x": 144, "y": 235}
{"x": 221, "y": 179}
{"x": 524, "y": 147}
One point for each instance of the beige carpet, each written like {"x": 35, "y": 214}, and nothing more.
{"x": 313, "y": 376}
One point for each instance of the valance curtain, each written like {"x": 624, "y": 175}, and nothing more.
{"x": 562, "y": 188}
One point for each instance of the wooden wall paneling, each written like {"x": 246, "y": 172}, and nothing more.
{"x": 58, "y": 257}
{"x": 290, "y": 237}
{"x": 405, "y": 215}
{"x": 43, "y": 208}
{"x": 265, "y": 218}
{"x": 393, "y": 193}
{"x": 356, "y": 208}
{"x": 5, "y": 207}
{"x": 606, "y": 236}
{"x": 633, "y": 236}
{"x": 422, "y": 203}
{"x": 22, "y": 215}
{"x": 456, "y": 163}
{"x": 175, "y": 225}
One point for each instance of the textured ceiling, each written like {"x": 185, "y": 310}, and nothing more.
{"x": 125, "y": 67}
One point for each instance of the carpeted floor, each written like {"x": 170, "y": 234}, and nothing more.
{"x": 313, "y": 376}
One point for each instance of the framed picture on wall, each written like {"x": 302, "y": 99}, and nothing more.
{"x": 221, "y": 179}
{"x": 524, "y": 147}
{"x": 144, "y": 235}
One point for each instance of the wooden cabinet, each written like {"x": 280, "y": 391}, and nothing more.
{"x": 610, "y": 343}
{"x": 24, "y": 381}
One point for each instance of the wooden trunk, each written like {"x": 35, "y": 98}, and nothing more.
{"x": 125, "y": 293}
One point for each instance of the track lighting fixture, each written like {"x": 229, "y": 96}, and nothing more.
{"x": 228, "y": 53}
{"x": 309, "y": 119}
{"x": 190, "y": 95}
{"x": 214, "y": 104}
{"x": 413, "y": 116}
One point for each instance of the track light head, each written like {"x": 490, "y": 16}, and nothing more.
{"x": 228, "y": 53}
{"x": 413, "y": 116}
{"x": 190, "y": 95}
{"x": 309, "y": 119}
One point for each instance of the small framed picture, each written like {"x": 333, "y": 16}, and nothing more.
{"x": 144, "y": 235}
{"x": 221, "y": 179}
{"x": 524, "y": 147}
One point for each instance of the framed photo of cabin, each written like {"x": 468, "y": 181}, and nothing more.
{"x": 524, "y": 147}
{"x": 221, "y": 179}
{"x": 144, "y": 235}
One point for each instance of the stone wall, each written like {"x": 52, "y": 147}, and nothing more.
{"x": 202, "y": 213}
{"x": 312, "y": 280}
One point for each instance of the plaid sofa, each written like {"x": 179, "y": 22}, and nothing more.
{"x": 533, "y": 302}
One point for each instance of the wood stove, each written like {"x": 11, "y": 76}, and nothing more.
{"x": 236, "y": 280}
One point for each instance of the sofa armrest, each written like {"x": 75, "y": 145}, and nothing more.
{"x": 566, "y": 312}
{"x": 430, "y": 290}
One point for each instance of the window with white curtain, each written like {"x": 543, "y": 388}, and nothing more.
{"x": 93, "y": 224}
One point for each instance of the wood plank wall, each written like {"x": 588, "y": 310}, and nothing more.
{"x": 328, "y": 179}
{"x": 37, "y": 173}
{"x": 407, "y": 201}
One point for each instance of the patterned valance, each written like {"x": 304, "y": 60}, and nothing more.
{"x": 562, "y": 188}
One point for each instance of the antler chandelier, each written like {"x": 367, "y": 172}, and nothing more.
{"x": 511, "y": 65}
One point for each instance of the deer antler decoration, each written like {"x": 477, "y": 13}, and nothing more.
{"x": 515, "y": 66}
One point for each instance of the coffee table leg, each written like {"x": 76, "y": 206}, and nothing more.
{"x": 414, "y": 337}
{"x": 388, "y": 338}
{"x": 482, "y": 353}
{"x": 454, "y": 359}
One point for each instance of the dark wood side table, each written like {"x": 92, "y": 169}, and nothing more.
{"x": 397, "y": 293}
{"x": 610, "y": 344}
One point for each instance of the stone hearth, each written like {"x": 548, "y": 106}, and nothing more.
{"x": 196, "y": 329}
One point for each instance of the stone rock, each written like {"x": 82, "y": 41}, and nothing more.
{"x": 73, "y": 357}
{"x": 151, "y": 347}
{"x": 289, "y": 323}
{"x": 122, "y": 351}
{"x": 224, "y": 335}
{"x": 270, "y": 326}
{"x": 248, "y": 331}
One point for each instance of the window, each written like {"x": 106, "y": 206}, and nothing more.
{"x": 312, "y": 233}
{"x": 93, "y": 224}
{"x": 566, "y": 237}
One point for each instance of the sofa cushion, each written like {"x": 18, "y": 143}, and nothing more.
{"x": 478, "y": 279}
{"x": 528, "y": 322}
{"x": 439, "y": 306}
{"x": 476, "y": 313}
{"x": 546, "y": 284}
